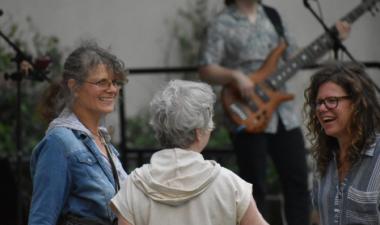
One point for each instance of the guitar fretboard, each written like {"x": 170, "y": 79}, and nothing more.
{"x": 315, "y": 50}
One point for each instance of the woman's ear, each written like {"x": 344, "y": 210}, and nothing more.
{"x": 198, "y": 133}
{"x": 71, "y": 84}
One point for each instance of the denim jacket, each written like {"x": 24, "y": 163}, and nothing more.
{"x": 70, "y": 175}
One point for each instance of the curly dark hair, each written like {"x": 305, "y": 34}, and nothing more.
{"x": 365, "y": 118}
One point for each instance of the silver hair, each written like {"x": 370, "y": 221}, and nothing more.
{"x": 180, "y": 108}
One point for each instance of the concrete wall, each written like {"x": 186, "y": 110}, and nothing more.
{"x": 137, "y": 31}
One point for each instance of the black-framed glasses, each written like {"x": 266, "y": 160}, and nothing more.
{"x": 105, "y": 83}
{"x": 330, "y": 102}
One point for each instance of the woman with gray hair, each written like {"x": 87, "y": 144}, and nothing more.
{"x": 75, "y": 169}
{"x": 179, "y": 186}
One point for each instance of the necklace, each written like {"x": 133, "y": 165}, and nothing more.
{"x": 96, "y": 134}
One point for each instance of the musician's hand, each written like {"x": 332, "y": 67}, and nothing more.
{"x": 344, "y": 29}
{"x": 243, "y": 83}
{"x": 25, "y": 68}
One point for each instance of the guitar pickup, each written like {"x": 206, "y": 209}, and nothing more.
{"x": 252, "y": 105}
{"x": 236, "y": 108}
{"x": 260, "y": 92}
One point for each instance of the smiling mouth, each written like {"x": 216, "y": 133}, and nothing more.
{"x": 328, "y": 120}
{"x": 106, "y": 99}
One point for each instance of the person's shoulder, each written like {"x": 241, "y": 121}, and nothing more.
{"x": 60, "y": 133}
{"x": 229, "y": 175}
{"x": 57, "y": 138}
{"x": 223, "y": 19}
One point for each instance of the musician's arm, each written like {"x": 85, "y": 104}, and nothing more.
{"x": 216, "y": 74}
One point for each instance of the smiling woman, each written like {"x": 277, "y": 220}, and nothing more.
{"x": 343, "y": 114}
{"x": 75, "y": 169}
{"x": 97, "y": 96}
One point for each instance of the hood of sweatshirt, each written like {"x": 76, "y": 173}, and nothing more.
{"x": 69, "y": 120}
{"x": 174, "y": 176}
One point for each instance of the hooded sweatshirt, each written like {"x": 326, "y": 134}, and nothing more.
{"x": 181, "y": 187}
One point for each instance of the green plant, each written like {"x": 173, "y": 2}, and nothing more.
{"x": 186, "y": 31}
{"x": 139, "y": 133}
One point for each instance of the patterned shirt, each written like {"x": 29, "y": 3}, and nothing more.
{"x": 232, "y": 41}
{"x": 356, "y": 199}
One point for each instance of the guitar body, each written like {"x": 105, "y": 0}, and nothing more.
{"x": 254, "y": 114}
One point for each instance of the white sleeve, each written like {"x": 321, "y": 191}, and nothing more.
{"x": 243, "y": 193}
{"x": 121, "y": 201}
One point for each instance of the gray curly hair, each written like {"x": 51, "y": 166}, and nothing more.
{"x": 180, "y": 108}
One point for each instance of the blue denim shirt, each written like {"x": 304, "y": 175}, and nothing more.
{"x": 70, "y": 175}
{"x": 356, "y": 200}
{"x": 232, "y": 41}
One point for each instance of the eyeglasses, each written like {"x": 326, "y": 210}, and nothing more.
{"x": 330, "y": 102}
{"x": 105, "y": 84}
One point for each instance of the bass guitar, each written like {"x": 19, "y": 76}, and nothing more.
{"x": 253, "y": 114}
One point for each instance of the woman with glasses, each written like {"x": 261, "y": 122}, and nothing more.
{"x": 343, "y": 115}
{"x": 179, "y": 186}
{"x": 75, "y": 169}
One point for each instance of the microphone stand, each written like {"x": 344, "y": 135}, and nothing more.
{"x": 18, "y": 77}
{"x": 333, "y": 33}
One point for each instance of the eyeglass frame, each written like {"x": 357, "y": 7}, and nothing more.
{"x": 335, "y": 99}
{"x": 117, "y": 83}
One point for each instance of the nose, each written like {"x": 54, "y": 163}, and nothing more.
{"x": 112, "y": 87}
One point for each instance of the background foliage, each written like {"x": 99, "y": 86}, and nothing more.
{"x": 31, "y": 90}
{"x": 14, "y": 162}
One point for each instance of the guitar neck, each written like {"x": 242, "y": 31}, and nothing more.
{"x": 315, "y": 50}
{"x": 358, "y": 11}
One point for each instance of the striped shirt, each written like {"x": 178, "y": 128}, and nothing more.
{"x": 356, "y": 199}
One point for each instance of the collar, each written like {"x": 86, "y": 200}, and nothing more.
{"x": 238, "y": 15}
{"x": 69, "y": 120}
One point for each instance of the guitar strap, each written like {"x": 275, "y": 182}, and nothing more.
{"x": 275, "y": 19}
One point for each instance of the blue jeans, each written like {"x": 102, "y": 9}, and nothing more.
{"x": 287, "y": 151}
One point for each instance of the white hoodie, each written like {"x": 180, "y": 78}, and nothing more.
{"x": 180, "y": 187}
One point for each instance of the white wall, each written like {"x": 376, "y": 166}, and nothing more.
{"x": 137, "y": 32}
